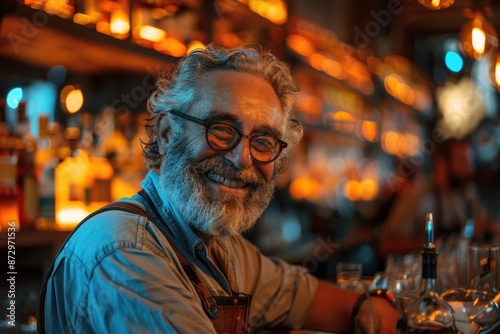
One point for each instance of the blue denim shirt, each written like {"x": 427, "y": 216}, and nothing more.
{"x": 119, "y": 274}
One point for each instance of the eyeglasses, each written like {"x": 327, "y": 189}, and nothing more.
{"x": 224, "y": 137}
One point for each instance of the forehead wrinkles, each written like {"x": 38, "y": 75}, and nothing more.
{"x": 249, "y": 97}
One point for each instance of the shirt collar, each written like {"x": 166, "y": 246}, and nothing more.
{"x": 167, "y": 209}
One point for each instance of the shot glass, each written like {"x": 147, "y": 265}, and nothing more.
{"x": 349, "y": 275}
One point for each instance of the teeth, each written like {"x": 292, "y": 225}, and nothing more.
{"x": 226, "y": 182}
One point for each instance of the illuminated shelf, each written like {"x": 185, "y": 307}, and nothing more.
{"x": 37, "y": 38}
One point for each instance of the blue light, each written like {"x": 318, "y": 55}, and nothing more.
{"x": 14, "y": 97}
{"x": 453, "y": 61}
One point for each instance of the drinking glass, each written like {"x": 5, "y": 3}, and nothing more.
{"x": 349, "y": 275}
{"x": 474, "y": 308}
{"x": 367, "y": 324}
{"x": 482, "y": 259}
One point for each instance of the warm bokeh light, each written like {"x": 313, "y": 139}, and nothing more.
{"x": 369, "y": 130}
{"x": 74, "y": 101}
{"x": 400, "y": 144}
{"x": 300, "y": 45}
{"x": 82, "y": 19}
{"x": 150, "y": 33}
{"x": 61, "y": 8}
{"x": 333, "y": 69}
{"x": 193, "y": 45}
{"x": 171, "y": 46}
{"x": 365, "y": 85}
{"x": 478, "y": 40}
{"x": 273, "y": 10}
{"x": 102, "y": 27}
{"x": 398, "y": 88}
{"x": 67, "y": 219}
{"x": 64, "y": 93}
{"x": 369, "y": 189}
{"x": 392, "y": 84}
{"x": 497, "y": 72}
{"x": 310, "y": 104}
{"x": 478, "y": 37}
{"x": 316, "y": 60}
{"x": 353, "y": 190}
{"x": 436, "y": 4}
{"x": 120, "y": 24}
{"x": 304, "y": 188}
{"x": 343, "y": 121}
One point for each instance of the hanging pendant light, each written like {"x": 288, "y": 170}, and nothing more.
{"x": 478, "y": 37}
{"x": 496, "y": 72}
{"x": 436, "y": 4}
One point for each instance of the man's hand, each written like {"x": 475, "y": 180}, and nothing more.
{"x": 332, "y": 310}
{"x": 382, "y": 310}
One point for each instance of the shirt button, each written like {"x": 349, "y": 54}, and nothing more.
{"x": 199, "y": 246}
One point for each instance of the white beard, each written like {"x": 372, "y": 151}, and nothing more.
{"x": 181, "y": 183}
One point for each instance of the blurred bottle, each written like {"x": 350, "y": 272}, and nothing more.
{"x": 88, "y": 136}
{"x": 130, "y": 172}
{"x": 455, "y": 252}
{"x": 103, "y": 170}
{"x": 429, "y": 313}
{"x": 82, "y": 183}
{"x": 114, "y": 144}
{"x": 464, "y": 242}
{"x": 9, "y": 194}
{"x": 72, "y": 184}
{"x": 46, "y": 161}
{"x": 26, "y": 179}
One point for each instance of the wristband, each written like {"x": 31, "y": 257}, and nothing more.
{"x": 386, "y": 294}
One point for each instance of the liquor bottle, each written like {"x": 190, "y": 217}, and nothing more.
{"x": 82, "y": 183}
{"x": 114, "y": 144}
{"x": 463, "y": 242}
{"x": 72, "y": 184}
{"x": 429, "y": 313}
{"x": 45, "y": 163}
{"x": 102, "y": 169}
{"x": 9, "y": 193}
{"x": 26, "y": 179}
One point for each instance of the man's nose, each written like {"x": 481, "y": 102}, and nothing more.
{"x": 240, "y": 155}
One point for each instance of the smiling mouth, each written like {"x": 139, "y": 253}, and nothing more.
{"x": 226, "y": 182}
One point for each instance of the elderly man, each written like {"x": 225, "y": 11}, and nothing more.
{"x": 222, "y": 131}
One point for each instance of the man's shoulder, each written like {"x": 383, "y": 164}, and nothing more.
{"x": 105, "y": 232}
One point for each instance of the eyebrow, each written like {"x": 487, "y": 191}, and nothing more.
{"x": 216, "y": 116}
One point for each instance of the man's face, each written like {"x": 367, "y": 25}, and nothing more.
{"x": 223, "y": 192}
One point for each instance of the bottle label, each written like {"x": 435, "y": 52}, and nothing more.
{"x": 30, "y": 198}
{"x": 101, "y": 190}
{"x": 47, "y": 206}
{"x": 74, "y": 194}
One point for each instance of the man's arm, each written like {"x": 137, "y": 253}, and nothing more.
{"x": 332, "y": 308}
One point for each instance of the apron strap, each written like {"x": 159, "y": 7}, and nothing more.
{"x": 122, "y": 206}
{"x": 208, "y": 302}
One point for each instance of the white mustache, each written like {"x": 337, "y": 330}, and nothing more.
{"x": 222, "y": 172}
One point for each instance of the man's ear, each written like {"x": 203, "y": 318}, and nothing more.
{"x": 163, "y": 133}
